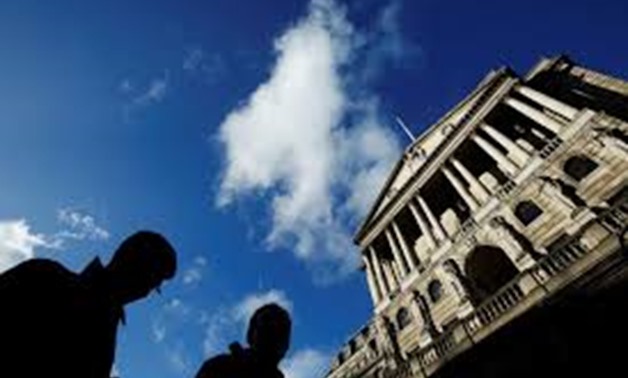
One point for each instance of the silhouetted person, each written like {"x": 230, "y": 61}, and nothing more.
{"x": 268, "y": 337}
{"x": 57, "y": 323}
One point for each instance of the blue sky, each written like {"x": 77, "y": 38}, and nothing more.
{"x": 253, "y": 136}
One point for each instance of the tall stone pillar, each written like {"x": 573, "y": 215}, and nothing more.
{"x": 435, "y": 224}
{"x": 548, "y": 102}
{"x": 384, "y": 286}
{"x": 534, "y": 114}
{"x": 374, "y": 289}
{"x": 404, "y": 268}
{"x": 407, "y": 252}
{"x": 425, "y": 228}
{"x": 519, "y": 155}
{"x": 461, "y": 189}
{"x": 503, "y": 162}
{"x": 476, "y": 187}
{"x": 390, "y": 274}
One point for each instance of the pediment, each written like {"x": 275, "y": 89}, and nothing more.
{"x": 423, "y": 151}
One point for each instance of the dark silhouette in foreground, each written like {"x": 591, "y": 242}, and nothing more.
{"x": 57, "y": 323}
{"x": 268, "y": 337}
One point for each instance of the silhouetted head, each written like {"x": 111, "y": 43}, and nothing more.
{"x": 140, "y": 264}
{"x": 269, "y": 333}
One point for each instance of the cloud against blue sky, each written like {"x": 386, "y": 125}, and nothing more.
{"x": 122, "y": 115}
{"x": 302, "y": 141}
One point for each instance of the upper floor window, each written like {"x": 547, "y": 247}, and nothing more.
{"x": 373, "y": 346}
{"x": 579, "y": 167}
{"x": 435, "y": 290}
{"x": 403, "y": 318}
{"x": 527, "y": 212}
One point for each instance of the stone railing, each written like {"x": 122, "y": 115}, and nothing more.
{"x": 525, "y": 290}
{"x": 550, "y": 147}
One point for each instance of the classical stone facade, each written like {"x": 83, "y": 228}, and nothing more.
{"x": 517, "y": 193}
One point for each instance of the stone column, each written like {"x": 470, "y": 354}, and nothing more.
{"x": 461, "y": 189}
{"x": 424, "y": 310}
{"x": 425, "y": 229}
{"x": 403, "y": 267}
{"x": 548, "y": 102}
{"x": 476, "y": 187}
{"x": 502, "y": 161}
{"x": 383, "y": 284}
{"x": 534, "y": 114}
{"x": 376, "y": 294}
{"x": 391, "y": 276}
{"x": 436, "y": 227}
{"x": 405, "y": 249}
{"x": 520, "y": 156}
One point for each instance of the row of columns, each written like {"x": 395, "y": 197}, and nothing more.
{"x": 384, "y": 277}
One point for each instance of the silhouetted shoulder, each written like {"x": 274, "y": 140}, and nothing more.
{"x": 36, "y": 272}
{"x": 224, "y": 365}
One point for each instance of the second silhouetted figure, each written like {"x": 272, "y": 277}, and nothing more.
{"x": 268, "y": 337}
{"x": 57, "y": 323}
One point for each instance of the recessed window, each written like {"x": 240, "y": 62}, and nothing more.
{"x": 435, "y": 290}
{"x": 403, "y": 318}
{"x": 527, "y": 212}
{"x": 578, "y": 167}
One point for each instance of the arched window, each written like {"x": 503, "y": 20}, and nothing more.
{"x": 435, "y": 290}
{"x": 527, "y": 212}
{"x": 579, "y": 167}
{"x": 403, "y": 318}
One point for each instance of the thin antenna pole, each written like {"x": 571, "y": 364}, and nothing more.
{"x": 405, "y": 129}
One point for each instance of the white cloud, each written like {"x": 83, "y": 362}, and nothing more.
{"x": 18, "y": 243}
{"x": 158, "y": 331}
{"x": 178, "y": 359}
{"x": 292, "y": 142}
{"x": 81, "y": 226}
{"x": 243, "y": 311}
{"x": 194, "y": 274}
{"x": 155, "y": 92}
{"x": 306, "y": 363}
{"x": 193, "y": 59}
{"x": 385, "y": 46}
{"x": 208, "y": 66}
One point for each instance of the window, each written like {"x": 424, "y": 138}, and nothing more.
{"x": 435, "y": 290}
{"x": 527, "y": 212}
{"x": 352, "y": 347}
{"x": 403, "y": 318}
{"x": 579, "y": 167}
{"x": 373, "y": 346}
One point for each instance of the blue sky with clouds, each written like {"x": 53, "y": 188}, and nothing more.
{"x": 253, "y": 136}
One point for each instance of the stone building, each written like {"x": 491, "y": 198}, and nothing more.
{"x": 498, "y": 235}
